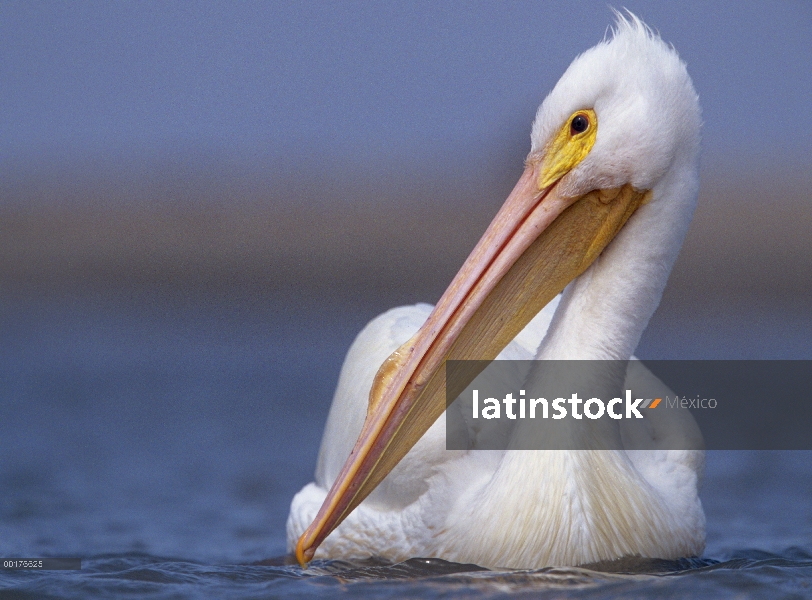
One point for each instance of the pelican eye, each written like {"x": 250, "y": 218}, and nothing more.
{"x": 579, "y": 124}
{"x": 569, "y": 146}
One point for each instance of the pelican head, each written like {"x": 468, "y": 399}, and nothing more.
{"x": 647, "y": 114}
{"x": 602, "y": 207}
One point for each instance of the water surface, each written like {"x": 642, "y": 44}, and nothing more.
{"x": 161, "y": 439}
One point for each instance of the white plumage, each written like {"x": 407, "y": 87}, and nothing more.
{"x": 529, "y": 509}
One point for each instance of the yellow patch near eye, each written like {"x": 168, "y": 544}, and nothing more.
{"x": 569, "y": 147}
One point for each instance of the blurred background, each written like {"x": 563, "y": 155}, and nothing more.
{"x": 202, "y": 203}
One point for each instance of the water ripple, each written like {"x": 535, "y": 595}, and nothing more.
{"x": 750, "y": 573}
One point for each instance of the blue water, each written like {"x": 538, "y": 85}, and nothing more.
{"x": 160, "y": 438}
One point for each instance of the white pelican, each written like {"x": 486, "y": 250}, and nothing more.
{"x": 602, "y": 208}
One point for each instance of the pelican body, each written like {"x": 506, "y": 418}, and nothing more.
{"x": 600, "y": 212}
